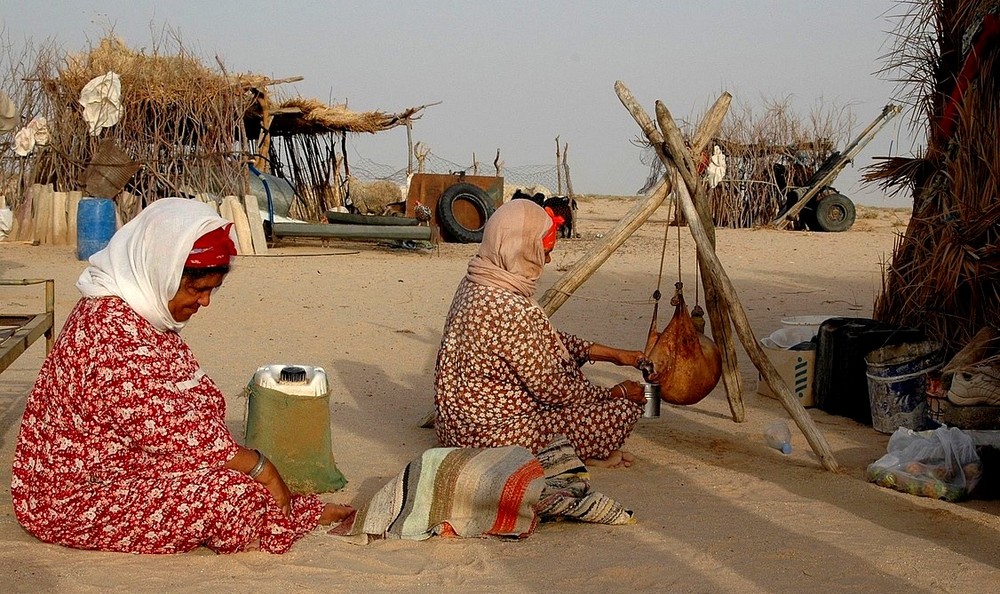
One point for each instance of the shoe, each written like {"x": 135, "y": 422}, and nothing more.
{"x": 978, "y": 387}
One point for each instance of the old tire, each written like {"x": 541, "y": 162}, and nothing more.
{"x": 834, "y": 213}
{"x": 463, "y": 210}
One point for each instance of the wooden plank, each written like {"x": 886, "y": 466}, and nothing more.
{"x": 25, "y": 217}
{"x": 59, "y": 222}
{"x": 256, "y": 225}
{"x": 239, "y": 218}
{"x": 43, "y": 214}
{"x": 226, "y": 210}
{"x": 72, "y": 210}
{"x": 128, "y": 206}
{"x": 207, "y": 199}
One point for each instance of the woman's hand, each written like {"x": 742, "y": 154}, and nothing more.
{"x": 631, "y": 358}
{"x": 631, "y": 391}
{"x": 245, "y": 460}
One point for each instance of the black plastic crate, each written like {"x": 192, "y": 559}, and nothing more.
{"x": 840, "y": 385}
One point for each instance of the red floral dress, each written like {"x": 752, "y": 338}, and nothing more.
{"x": 501, "y": 379}
{"x": 123, "y": 443}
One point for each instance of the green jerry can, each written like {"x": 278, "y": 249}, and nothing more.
{"x": 288, "y": 420}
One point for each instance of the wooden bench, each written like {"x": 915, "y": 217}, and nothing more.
{"x": 19, "y": 331}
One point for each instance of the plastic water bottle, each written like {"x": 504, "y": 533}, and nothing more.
{"x": 779, "y": 437}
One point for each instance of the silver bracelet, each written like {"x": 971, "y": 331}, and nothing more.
{"x": 259, "y": 466}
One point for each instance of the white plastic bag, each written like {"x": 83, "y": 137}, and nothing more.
{"x": 716, "y": 167}
{"x": 101, "y": 99}
{"x": 942, "y": 464}
{"x": 786, "y": 338}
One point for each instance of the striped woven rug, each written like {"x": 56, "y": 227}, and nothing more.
{"x": 473, "y": 492}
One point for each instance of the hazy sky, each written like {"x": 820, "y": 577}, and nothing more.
{"x": 513, "y": 75}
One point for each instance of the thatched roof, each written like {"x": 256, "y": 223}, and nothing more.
{"x": 311, "y": 116}
{"x": 188, "y": 122}
{"x": 180, "y": 82}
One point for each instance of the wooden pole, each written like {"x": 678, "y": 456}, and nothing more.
{"x": 565, "y": 165}
{"x": 264, "y": 143}
{"x": 728, "y": 297}
{"x": 72, "y": 211}
{"x": 409, "y": 146}
{"x": 558, "y": 169}
{"x": 717, "y": 313}
{"x": 43, "y": 213}
{"x": 561, "y": 290}
{"x": 742, "y": 324}
{"x": 59, "y": 226}
{"x": 569, "y": 192}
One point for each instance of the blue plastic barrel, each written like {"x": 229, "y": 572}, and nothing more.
{"x": 95, "y": 224}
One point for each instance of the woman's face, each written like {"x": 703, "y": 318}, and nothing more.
{"x": 192, "y": 295}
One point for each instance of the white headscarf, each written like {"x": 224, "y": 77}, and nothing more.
{"x": 144, "y": 260}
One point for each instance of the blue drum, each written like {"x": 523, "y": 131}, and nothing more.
{"x": 95, "y": 224}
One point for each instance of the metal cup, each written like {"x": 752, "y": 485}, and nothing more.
{"x": 652, "y": 394}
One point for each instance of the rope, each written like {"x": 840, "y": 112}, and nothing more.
{"x": 678, "y": 251}
{"x": 663, "y": 256}
{"x": 697, "y": 277}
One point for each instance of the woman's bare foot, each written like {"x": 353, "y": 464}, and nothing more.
{"x": 617, "y": 459}
{"x": 333, "y": 513}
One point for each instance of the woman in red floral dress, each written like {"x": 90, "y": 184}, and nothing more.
{"x": 123, "y": 444}
{"x": 505, "y": 376}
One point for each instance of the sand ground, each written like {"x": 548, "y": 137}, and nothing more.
{"x": 717, "y": 509}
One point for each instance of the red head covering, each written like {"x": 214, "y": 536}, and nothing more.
{"x": 549, "y": 240}
{"x": 212, "y": 249}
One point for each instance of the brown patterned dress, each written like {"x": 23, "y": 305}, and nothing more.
{"x": 503, "y": 378}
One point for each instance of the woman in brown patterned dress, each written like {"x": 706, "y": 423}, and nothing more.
{"x": 505, "y": 375}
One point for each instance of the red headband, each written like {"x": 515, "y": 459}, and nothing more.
{"x": 212, "y": 249}
{"x": 549, "y": 240}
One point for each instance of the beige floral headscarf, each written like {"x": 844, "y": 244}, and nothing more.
{"x": 511, "y": 255}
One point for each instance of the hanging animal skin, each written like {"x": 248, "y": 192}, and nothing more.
{"x": 685, "y": 362}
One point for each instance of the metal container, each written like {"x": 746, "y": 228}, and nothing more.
{"x": 652, "y": 394}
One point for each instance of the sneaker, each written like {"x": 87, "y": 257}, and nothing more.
{"x": 980, "y": 386}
